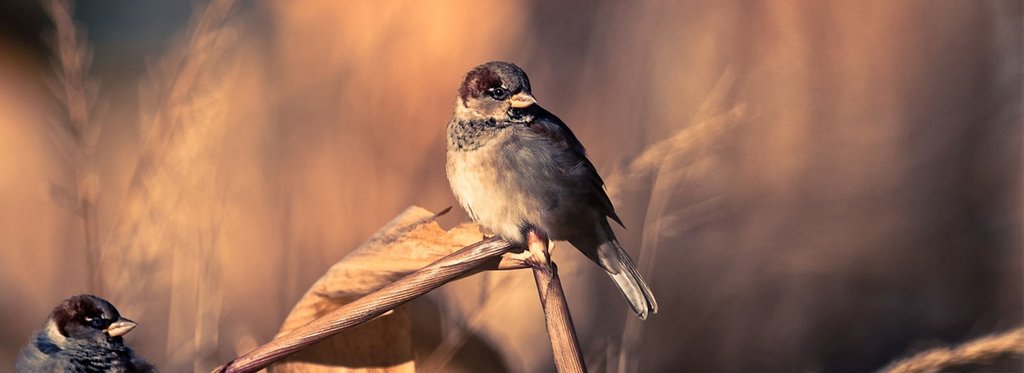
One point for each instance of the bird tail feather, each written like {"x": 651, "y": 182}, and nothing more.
{"x": 620, "y": 268}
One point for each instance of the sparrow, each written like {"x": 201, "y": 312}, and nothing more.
{"x": 515, "y": 168}
{"x": 82, "y": 334}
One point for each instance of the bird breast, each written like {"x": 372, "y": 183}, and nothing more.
{"x": 513, "y": 181}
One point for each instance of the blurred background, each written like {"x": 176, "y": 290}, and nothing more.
{"x": 808, "y": 186}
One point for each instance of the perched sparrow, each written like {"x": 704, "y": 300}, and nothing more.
{"x": 82, "y": 334}
{"x": 516, "y": 167}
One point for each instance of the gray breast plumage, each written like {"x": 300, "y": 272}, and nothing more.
{"x": 510, "y": 179}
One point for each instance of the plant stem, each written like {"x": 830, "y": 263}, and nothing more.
{"x": 564, "y": 344}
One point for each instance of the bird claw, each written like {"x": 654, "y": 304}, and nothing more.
{"x": 522, "y": 256}
{"x": 537, "y": 253}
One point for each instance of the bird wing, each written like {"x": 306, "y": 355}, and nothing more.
{"x": 549, "y": 126}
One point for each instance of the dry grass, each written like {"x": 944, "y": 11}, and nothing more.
{"x": 978, "y": 352}
{"x": 166, "y": 225}
{"x": 177, "y": 131}
{"x": 76, "y": 135}
{"x": 170, "y": 219}
{"x": 671, "y": 165}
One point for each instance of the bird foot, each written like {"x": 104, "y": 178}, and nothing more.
{"x": 522, "y": 256}
{"x": 536, "y": 254}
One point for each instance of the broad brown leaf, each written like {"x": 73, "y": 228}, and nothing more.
{"x": 407, "y": 243}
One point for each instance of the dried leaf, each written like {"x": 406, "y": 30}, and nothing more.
{"x": 409, "y": 242}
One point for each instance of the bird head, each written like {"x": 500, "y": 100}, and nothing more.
{"x": 89, "y": 317}
{"x": 498, "y": 91}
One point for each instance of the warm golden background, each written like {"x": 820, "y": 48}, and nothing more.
{"x": 808, "y": 185}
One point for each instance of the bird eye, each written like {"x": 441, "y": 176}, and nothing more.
{"x": 95, "y": 322}
{"x": 498, "y": 93}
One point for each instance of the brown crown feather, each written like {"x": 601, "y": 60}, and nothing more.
{"x": 478, "y": 81}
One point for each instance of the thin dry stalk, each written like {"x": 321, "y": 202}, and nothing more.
{"x": 483, "y": 255}
{"x": 164, "y": 169}
{"x": 979, "y": 351}
{"x": 667, "y": 163}
{"x": 77, "y": 135}
{"x": 564, "y": 344}
{"x": 191, "y": 240}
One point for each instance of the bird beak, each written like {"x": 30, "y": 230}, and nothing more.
{"x": 521, "y": 100}
{"x": 120, "y": 327}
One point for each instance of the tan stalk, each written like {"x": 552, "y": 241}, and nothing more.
{"x": 77, "y": 134}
